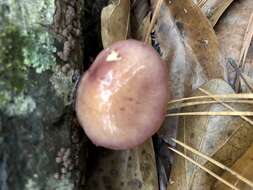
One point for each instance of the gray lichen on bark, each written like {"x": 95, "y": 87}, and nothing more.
{"x": 36, "y": 114}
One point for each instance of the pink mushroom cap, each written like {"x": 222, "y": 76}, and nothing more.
{"x": 122, "y": 98}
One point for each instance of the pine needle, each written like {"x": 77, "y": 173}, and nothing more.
{"x": 226, "y": 105}
{"x": 223, "y": 96}
{"x": 153, "y": 20}
{"x": 204, "y": 168}
{"x": 221, "y": 113}
{"x": 201, "y": 3}
{"x": 188, "y": 104}
{"x": 240, "y": 177}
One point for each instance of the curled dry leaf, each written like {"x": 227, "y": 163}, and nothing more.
{"x": 115, "y": 21}
{"x": 131, "y": 169}
{"x": 223, "y": 138}
{"x": 213, "y": 9}
{"x": 244, "y": 166}
{"x": 234, "y": 32}
{"x": 189, "y": 45}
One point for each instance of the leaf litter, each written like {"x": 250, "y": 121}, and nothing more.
{"x": 220, "y": 134}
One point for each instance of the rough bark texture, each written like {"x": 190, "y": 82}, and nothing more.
{"x": 40, "y": 57}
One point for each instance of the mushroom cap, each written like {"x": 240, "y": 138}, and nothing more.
{"x": 122, "y": 98}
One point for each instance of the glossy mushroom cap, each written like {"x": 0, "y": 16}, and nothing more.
{"x": 122, "y": 98}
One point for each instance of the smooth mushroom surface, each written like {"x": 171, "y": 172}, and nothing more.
{"x": 122, "y": 98}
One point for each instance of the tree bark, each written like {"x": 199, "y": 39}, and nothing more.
{"x": 41, "y": 144}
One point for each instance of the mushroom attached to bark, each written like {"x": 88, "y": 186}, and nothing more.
{"x": 122, "y": 98}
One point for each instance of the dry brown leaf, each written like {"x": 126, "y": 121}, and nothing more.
{"x": 140, "y": 18}
{"x": 234, "y": 32}
{"x": 244, "y": 166}
{"x": 115, "y": 21}
{"x": 225, "y": 168}
{"x": 189, "y": 46}
{"x": 130, "y": 169}
{"x": 223, "y": 138}
{"x": 213, "y": 9}
{"x": 248, "y": 69}
{"x": 246, "y": 83}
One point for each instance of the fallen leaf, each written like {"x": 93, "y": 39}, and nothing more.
{"x": 213, "y": 9}
{"x": 189, "y": 45}
{"x": 140, "y": 18}
{"x": 248, "y": 69}
{"x": 115, "y": 21}
{"x": 248, "y": 72}
{"x": 223, "y": 138}
{"x": 130, "y": 169}
{"x": 244, "y": 166}
{"x": 234, "y": 32}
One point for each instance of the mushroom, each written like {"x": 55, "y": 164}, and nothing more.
{"x": 121, "y": 100}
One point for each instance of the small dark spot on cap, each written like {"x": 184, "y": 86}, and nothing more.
{"x": 122, "y": 109}
{"x": 137, "y": 102}
{"x": 143, "y": 152}
{"x": 122, "y": 183}
{"x": 129, "y": 158}
{"x": 130, "y": 99}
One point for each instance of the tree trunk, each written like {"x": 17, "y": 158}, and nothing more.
{"x": 40, "y": 60}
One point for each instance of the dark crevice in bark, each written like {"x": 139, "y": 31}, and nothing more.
{"x": 92, "y": 30}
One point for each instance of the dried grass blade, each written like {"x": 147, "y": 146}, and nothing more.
{"x": 204, "y": 168}
{"x": 226, "y": 105}
{"x": 201, "y": 3}
{"x": 188, "y": 104}
{"x": 223, "y": 113}
{"x": 245, "y": 180}
{"x": 224, "y": 96}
